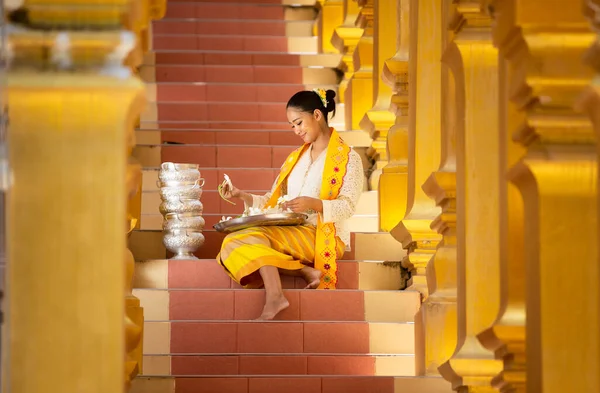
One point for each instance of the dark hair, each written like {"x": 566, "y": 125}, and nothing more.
{"x": 310, "y": 100}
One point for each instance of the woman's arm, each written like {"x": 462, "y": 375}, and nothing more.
{"x": 344, "y": 206}
{"x": 250, "y": 200}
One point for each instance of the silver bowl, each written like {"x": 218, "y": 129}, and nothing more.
{"x": 183, "y": 243}
{"x": 181, "y": 205}
{"x": 171, "y": 166}
{"x": 188, "y": 175}
{"x": 190, "y": 221}
{"x": 180, "y": 183}
{"x": 184, "y": 192}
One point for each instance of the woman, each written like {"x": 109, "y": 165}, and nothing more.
{"x": 323, "y": 178}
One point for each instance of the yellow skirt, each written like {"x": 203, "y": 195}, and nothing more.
{"x": 244, "y": 252}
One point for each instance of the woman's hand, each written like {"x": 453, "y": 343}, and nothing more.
{"x": 230, "y": 191}
{"x": 304, "y": 204}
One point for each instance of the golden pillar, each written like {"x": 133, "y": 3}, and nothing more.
{"x": 506, "y": 337}
{"x": 86, "y": 103}
{"x": 557, "y": 178}
{"x": 393, "y": 181}
{"x": 345, "y": 38}
{"x": 379, "y": 119}
{"x": 137, "y": 21}
{"x": 473, "y": 61}
{"x": 67, "y": 205}
{"x": 359, "y": 92}
{"x": 437, "y": 316}
{"x": 331, "y": 15}
{"x": 424, "y": 135}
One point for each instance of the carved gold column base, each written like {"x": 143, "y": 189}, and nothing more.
{"x": 507, "y": 340}
{"x": 393, "y": 188}
{"x": 377, "y": 122}
{"x": 134, "y": 317}
{"x": 472, "y": 370}
{"x": 421, "y": 243}
{"x": 439, "y": 310}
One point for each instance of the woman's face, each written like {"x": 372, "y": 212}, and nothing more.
{"x": 305, "y": 125}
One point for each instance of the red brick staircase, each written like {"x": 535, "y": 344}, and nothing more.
{"x": 219, "y": 77}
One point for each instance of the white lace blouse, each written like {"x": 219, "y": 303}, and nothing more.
{"x": 305, "y": 180}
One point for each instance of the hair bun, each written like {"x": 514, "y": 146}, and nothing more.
{"x": 330, "y": 96}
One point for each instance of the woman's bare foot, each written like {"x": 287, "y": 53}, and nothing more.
{"x": 312, "y": 277}
{"x": 273, "y": 307}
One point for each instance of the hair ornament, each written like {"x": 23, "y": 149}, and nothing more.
{"x": 322, "y": 95}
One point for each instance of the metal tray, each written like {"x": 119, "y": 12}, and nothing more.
{"x": 276, "y": 219}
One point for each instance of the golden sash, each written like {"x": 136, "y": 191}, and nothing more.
{"x": 336, "y": 165}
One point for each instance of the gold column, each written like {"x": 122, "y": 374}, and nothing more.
{"x": 393, "y": 181}
{"x": 345, "y": 38}
{"x": 67, "y": 205}
{"x": 557, "y": 178}
{"x": 330, "y": 17}
{"x": 379, "y": 119}
{"x": 474, "y": 63}
{"x": 359, "y": 92}
{"x": 424, "y": 84}
{"x": 506, "y": 337}
{"x": 438, "y": 312}
{"x": 138, "y": 21}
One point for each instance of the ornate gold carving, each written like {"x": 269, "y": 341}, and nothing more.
{"x": 379, "y": 119}
{"x": 75, "y": 265}
{"x": 79, "y": 82}
{"x": 423, "y": 141}
{"x": 393, "y": 181}
{"x": 474, "y": 64}
{"x": 331, "y": 16}
{"x": 506, "y": 337}
{"x": 345, "y": 38}
{"x": 439, "y": 319}
{"x": 557, "y": 178}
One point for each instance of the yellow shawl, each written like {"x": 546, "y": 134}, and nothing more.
{"x": 336, "y": 165}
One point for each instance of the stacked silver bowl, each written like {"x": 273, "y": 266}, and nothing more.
{"x": 180, "y": 191}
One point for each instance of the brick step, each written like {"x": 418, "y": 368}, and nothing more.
{"x": 366, "y": 246}
{"x": 227, "y": 10}
{"x": 258, "y": 2}
{"x": 219, "y": 111}
{"x": 278, "y": 337}
{"x": 243, "y": 112}
{"x": 225, "y": 43}
{"x": 233, "y": 27}
{"x": 278, "y": 365}
{"x": 154, "y": 124}
{"x": 144, "y": 136}
{"x": 214, "y": 156}
{"x": 243, "y": 137}
{"x": 291, "y": 384}
{"x": 305, "y": 305}
{"x": 240, "y": 75}
{"x": 224, "y": 92}
{"x": 208, "y": 274}
{"x": 175, "y": 57}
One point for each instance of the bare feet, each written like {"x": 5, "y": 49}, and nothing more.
{"x": 312, "y": 277}
{"x": 273, "y": 307}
